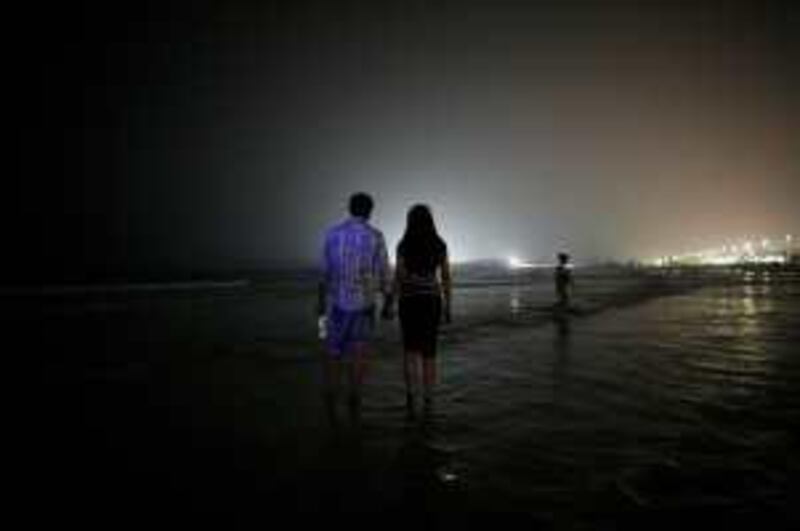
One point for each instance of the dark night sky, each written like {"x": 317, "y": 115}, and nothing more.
{"x": 158, "y": 134}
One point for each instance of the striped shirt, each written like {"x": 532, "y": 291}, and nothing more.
{"x": 355, "y": 264}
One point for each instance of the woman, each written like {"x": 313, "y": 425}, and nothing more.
{"x": 422, "y": 280}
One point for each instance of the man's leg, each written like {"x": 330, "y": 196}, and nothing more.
{"x": 358, "y": 370}
{"x": 332, "y": 385}
{"x": 361, "y": 330}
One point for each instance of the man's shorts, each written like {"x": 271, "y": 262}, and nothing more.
{"x": 346, "y": 328}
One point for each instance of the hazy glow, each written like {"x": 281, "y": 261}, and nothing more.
{"x": 233, "y": 137}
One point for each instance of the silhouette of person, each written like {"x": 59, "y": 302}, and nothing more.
{"x": 423, "y": 285}
{"x": 563, "y": 281}
{"x": 355, "y": 267}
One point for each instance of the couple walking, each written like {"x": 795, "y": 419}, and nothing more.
{"x": 355, "y": 267}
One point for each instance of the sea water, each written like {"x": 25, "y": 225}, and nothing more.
{"x": 661, "y": 396}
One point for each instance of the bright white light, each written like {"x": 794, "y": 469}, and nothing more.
{"x": 515, "y": 262}
{"x": 770, "y": 259}
{"x": 458, "y": 260}
{"x": 723, "y": 260}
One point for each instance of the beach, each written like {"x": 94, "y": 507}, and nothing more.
{"x": 665, "y": 397}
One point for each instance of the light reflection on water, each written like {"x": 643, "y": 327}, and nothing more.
{"x": 514, "y": 301}
{"x": 662, "y": 404}
{"x": 661, "y": 392}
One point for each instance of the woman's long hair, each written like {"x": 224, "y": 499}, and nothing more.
{"x": 421, "y": 247}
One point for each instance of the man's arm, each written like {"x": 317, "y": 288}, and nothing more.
{"x": 322, "y": 293}
{"x": 322, "y": 284}
{"x": 385, "y": 280}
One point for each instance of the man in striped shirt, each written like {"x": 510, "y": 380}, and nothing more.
{"x": 355, "y": 266}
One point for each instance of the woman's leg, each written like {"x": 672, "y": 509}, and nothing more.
{"x": 412, "y": 372}
{"x": 429, "y": 365}
{"x": 429, "y": 377}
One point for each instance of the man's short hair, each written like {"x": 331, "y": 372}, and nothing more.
{"x": 361, "y": 205}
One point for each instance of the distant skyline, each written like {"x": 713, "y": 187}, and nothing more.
{"x": 203, "y": 135}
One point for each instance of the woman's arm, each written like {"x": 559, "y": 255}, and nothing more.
{"x": 447, "y": 290}
{"x": 399, "y": 273}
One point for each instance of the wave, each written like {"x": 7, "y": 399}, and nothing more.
{"x": 143, "y": 287}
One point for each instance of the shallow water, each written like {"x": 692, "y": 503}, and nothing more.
{"x": 660, "y": 399}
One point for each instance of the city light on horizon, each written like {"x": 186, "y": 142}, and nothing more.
{"x": 743, "y": 252}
